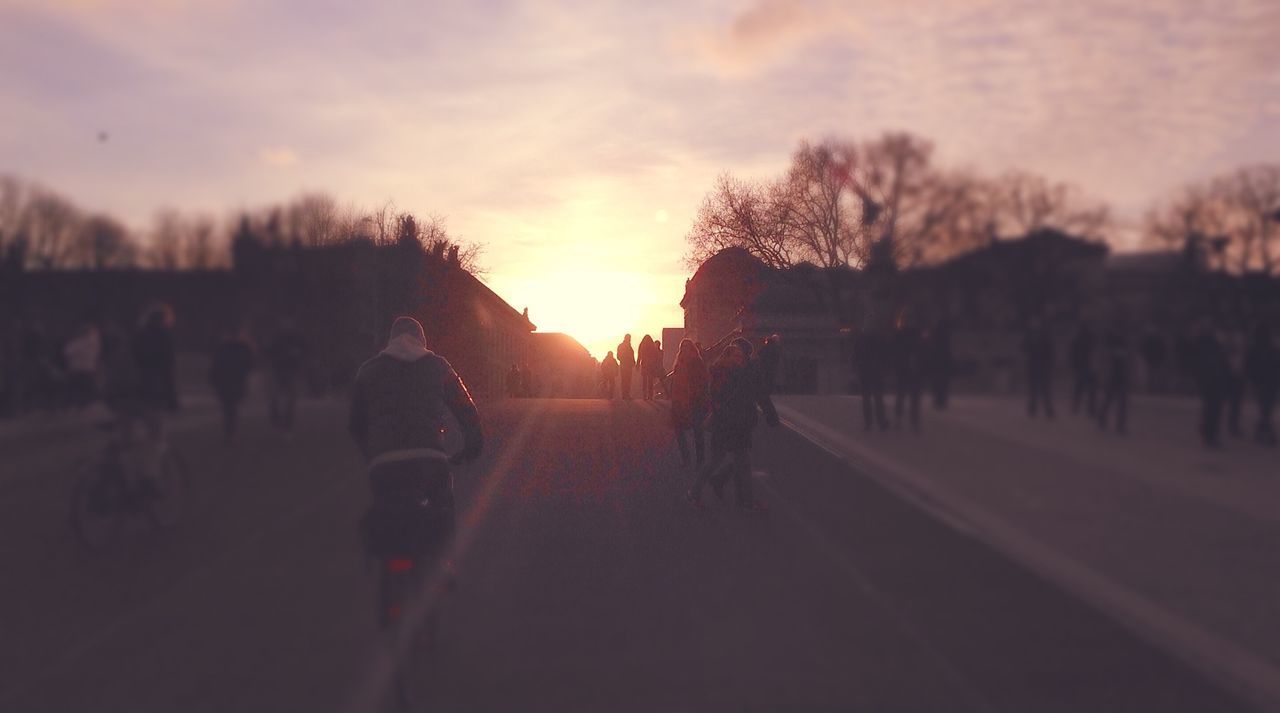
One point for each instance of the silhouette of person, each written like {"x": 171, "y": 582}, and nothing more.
{"x": 869, "y": 357}
{"x": 1084, "y": 387}
{"x": 1116, "y": 378}
{"x": 528, "y": 384}
{"x": 660, "y": 370}
{"x": 770, "y": 361}
{"x": 939, "y": 362}
{"x": 285, "y": 355}
{"x": 513, "y": 381}
{"x": 645, "y": 365}
{"x": 1155, "y": 356}
{"x": 626, "y": 365}
{"x": 229, "y": 376}
{"x": 1212, "y": 375}
{"x": 1233, "y": 344}
{"x": 1262, "y": 368}
{"x": 82, "y": 353}
{"x": 737, "y": 390}
{"x": 1037, "y": 347}
{"x": 906, "y": 348}
{"x": 689, "y": 399}
{"x": 608, "y": 374}
{"x": 155, "y": 358}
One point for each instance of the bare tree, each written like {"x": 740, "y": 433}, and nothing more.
{"x": 821, "y": 203}
{"x": 1025, "y": 203}
{"x": 50, "y": 224}
{"x": 164, "y": 251}
{"x": 1229, "y": 219}
{"x": 103, "y": 243}
{"x": 742, "y": 214}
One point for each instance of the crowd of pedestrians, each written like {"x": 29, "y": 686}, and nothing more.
{"x": 132, "y": 372}
{"x": 909, "y": 357}
{"x": 717, "y": 394}
{"x": 1223, "y": 366}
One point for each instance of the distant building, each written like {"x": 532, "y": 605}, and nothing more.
{"x": 342, "y": 298}
{"x": 562, "y": 367}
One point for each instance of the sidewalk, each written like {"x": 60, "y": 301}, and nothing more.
{"x": 1179, "y": 542}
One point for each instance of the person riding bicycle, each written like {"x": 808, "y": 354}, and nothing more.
{"x": 397, "y": 408}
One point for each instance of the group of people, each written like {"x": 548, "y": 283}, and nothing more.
{"x": 914, "y": 357}
{"x": 232, "y": 362}
{"x": 717, "y": 392}
{"x": 122, "y": 368}
{"x": 134, "y": 372}
{"x": 1222, "y": 365}
{"x": 645, "y": 360}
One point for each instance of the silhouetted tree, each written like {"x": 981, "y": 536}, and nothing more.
{"x": 1230, "y": 219}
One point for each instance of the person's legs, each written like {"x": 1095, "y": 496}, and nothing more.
{"x": 705, "y": 473}
{"x": 1265, "y": 432}
{"x": 1122, "y": 409}
{"x": 1046, "y": 394}
{"x": 1105, "y": 406}
{"x": 626, "y": 383}
{"x": 228, "y": 417}
{"x": 1235, "y": 399}
{"x": 915, "y": 406}
{"x": 740, "y": 465}
{"x": 683, "y": 444}
{"x": 1033, "y": 393}
{"x": 1210, "y": 415}
{"x": 866, "y": 405}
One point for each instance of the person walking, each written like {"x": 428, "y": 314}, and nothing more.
{"x": 771, "y": 361}
{"x": 689, "y": 399}
{"x": 1212, "y": 375}
{"x": 1037, "y": 347}
{"x": 907, "y": 359}
{"x": 82, "y": 353}
{"x": 1262, "y": 369}
{"x": 939, "y": 358}
{"x": 1116, "y": 378}
{"x": 513, "y": 381}
{"x": 608, "y": 375}
{"x": 737, "y": 394}
{"x": 626, "y": 366}
{"x": 1084, "y": 387}
{"x": 285, "y": 355}
{"x": 229, "y": 376}
{"x": 869, "y": 358}
{"x": 1233, "y": 344}
{"x": 645, "y": 366}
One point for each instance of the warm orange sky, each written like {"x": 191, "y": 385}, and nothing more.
{"x": 576, "y": 139}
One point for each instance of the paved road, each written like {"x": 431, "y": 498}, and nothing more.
{"x": 586, "y": 584}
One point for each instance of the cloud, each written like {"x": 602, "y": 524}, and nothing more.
{"x": 767, "y": 30}
{"x": 279, "y": 157}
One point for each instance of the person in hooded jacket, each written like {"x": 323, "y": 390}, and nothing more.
{"x": 398, "y": 405}
{"x": 609, "y": 375}
{"x": 229, "y": 376}
{"x": 737, "y": 392}
{"x": 645, "y": 365}
{"x": 689, "y": 399}
{"x": 626, "y": 365}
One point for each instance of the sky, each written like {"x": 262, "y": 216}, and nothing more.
{"x": 576, "y": 139}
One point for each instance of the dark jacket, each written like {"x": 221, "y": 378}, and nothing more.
{"x": 230, "y": 367}
{"x": 154, "y": 354}
{"x": 400, "y": 405}
{"x": 737, "y": 391}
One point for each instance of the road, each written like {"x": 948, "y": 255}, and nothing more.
{"x": 586, "y": 584}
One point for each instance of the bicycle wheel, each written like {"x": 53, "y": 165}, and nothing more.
{"x": 172, "y": 493}
{"x": 96, "y": 505}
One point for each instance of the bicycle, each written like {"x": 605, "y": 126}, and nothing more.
{"x": 407, "y": 535}
{"x": 114, "y": 485}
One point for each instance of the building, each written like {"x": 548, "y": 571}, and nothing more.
{"x": 562, "y": 367}
{"x": 341, "y": 297}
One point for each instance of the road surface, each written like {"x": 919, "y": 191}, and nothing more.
{"x": 586, "y": 584}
